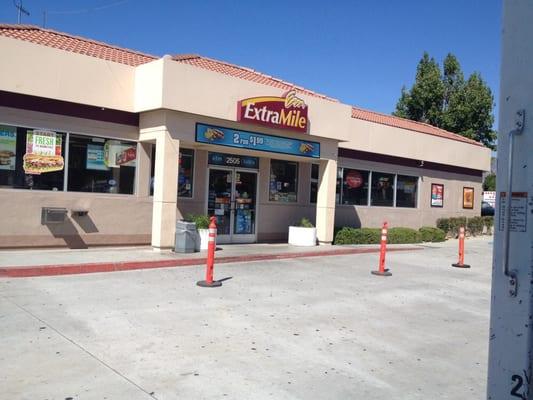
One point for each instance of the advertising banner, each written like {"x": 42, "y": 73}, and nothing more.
{"x": 117, "y": 154}
{"x": 256, "y": 141}
{"x": 490, "y": 197}
{"x": 43, "y": 152}
{"x": 95, "y": 157}
{"x": 468, "y": 197}
{"x": 8, "y": 147}
{"x": 437, "y": 195}
{"x": 354, "y": 179}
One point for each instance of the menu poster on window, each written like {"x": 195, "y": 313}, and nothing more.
{"x": 117, "y": 154}
{"x": 8, "y": 147}
{"x": 437, "y": 195}
{"x": 468, "y": 197}
{"x": 95, "y": 158}
{"x": 43, "y": 152}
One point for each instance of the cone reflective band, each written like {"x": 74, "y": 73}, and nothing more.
{"x": 210, "y": 264}
{"x": 382, "y": 271}
{"x": 461, "y": 262}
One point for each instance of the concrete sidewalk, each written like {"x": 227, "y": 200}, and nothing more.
{"x": 23, "y": 263}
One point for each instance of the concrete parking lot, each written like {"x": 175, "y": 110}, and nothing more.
{"x": 309, "y": 328}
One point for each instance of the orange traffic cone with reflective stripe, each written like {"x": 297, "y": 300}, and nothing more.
{"x": 209, "y": 282}
{"x": 461, "y": 262}
{"x": 382, "y": 271}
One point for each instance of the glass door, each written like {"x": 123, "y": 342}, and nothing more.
{"x": 219, "y": 201}
{"x": 245, "y": 194}
{"x": 232, "y": 198}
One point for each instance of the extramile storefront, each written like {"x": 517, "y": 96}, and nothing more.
{"x": 107, "y": 146}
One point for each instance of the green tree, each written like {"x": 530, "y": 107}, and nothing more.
{"x": 489, "y": 184}
{"x": 444, "y": 99}
{"x": 424, "y": 101}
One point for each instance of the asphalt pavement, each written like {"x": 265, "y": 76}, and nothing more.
{"x": 304, "y": 328}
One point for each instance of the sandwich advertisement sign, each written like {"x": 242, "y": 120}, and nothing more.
{"x": 286, "y": 112}
{"x": 8, "y": 148}
{"x": 43, "y": 152}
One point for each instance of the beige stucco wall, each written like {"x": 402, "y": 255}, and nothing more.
{"x": 43, "y": 71}
{"x": 167, "y": 84}
{"x": 112, "y": 219}
{"x": 199, "y": 91}
{"x": 174, "y": 96}
{"x": 384, "y": 139}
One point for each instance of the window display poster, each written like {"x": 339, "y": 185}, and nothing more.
{"x": 468, "y": 197}
{"x": 437, "y": 195}
{"x": 8, "y": 147}
{"x": 95, "y": 158}
{"x": 43, "y": 152}
{"x": 117, "y": 154}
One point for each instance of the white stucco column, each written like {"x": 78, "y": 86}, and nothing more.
{"x": 143, "y": 169}
{"x": 165, "y": 190}
{"x": 325, "y": 204}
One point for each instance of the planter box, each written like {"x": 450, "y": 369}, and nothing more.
{"x": 202, "y": 239}
{"x": 299, "y": 236}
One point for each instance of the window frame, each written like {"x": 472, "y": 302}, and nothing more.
{"x": 311, "y": 181}
{"x": 194, "y": 158}
{"x": 296, "y": 185}
{"x": 369, "y": 194}
{"x": 191, "y": 197}
{"x": 65, "y": 169}
{"x": 341, "y": 191}
{"x": 417, "y": 191}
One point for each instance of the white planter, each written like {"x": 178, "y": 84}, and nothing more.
{"x": 202, "y": 239}
{"x": 299, "y": 236}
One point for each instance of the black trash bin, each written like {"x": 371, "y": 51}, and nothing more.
{"x": 185, "y": 237}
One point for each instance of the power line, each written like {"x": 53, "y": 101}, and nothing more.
{"x": 87, "y": 10}
{"x": 21, "y": 10}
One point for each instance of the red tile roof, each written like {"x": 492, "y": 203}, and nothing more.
{"x": 92, "y": 48}
{"x": 75, "y": 44}
{"x": 244, "y": 73}
{"x": 398, "y": 122}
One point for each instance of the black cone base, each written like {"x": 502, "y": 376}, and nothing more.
{"x": 384, "y": 273}
{"x": 206, "y": 284}
{"x": 457, "y": 265}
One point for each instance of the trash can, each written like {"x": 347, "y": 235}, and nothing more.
{"x": 185, "y": 237}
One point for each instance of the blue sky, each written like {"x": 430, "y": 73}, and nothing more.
{"x": 359, "y": 51}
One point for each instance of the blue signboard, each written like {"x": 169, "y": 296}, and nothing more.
{"x": 232, "y": 160}
{"x": 256, "y": 141}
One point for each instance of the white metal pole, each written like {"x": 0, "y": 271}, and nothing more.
{"x": 510, "y": 357}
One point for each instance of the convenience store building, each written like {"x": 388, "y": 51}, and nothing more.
{"x": 101, "y": 145}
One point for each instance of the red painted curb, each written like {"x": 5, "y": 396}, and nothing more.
{"x": 68, "y": 269}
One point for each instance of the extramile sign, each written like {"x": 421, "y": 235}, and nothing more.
{"x": 286, "y": 112}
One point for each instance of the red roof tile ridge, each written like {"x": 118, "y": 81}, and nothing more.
{"x": 185, "y": 57}
{"x": 424, "y": 127}
{"x": 182, "y": 57}
{"x": 70, "y": 36}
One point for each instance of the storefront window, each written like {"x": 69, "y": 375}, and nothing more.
{"x": 185, "y": 172}
{"x": 101, "y": 165}
{"x": 355, "y": 187}
{"x": 406, "y": 191}
{"x": 283, "y": 181}
{"x": 338, "y": 186}
{"x": 314, "y": 183}
{"x": 31, "y": 158}
{"x": 382, "y": 193}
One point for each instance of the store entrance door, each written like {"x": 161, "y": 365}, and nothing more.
{"x": 232, "y": 198}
